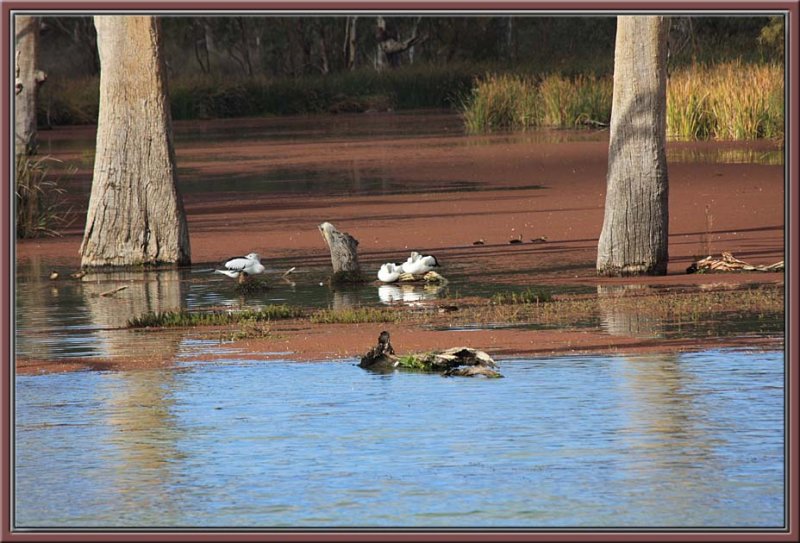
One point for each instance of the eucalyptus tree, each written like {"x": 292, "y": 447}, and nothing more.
{"x": 633, "y": 240}
{"x": 135, "y": 212}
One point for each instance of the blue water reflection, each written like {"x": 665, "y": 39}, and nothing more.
{"x": 667, "y": 440}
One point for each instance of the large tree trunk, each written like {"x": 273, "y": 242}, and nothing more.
{"x": 27, "y": 81}
{"x": 135, "y": 211}
{"x": 635, "y": 229}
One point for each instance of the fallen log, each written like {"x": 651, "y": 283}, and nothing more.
{"x": 729, "y": 263}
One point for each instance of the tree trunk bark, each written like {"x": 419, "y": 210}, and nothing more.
{"x": 350, "y": 43}
{"x": 27, "y": 81}
{"x": 344, "y": 255}
{"x": 633, "y": 240}
{"x": 135, "y": 212}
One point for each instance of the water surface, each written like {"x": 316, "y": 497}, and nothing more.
{"x": 669, "y": 440}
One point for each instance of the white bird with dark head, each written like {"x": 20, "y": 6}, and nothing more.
{"x": 248, "y": 265}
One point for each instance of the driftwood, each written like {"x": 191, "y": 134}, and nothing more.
{"x": 729, "y": 263}
{"x": 344, "y": 254}
{"x": 113, "y": 291}
{"x": 457, "y": 361}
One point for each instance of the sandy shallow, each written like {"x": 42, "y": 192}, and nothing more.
{"x": 442, "y": 194}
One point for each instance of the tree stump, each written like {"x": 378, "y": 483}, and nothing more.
{"x": 344, "y": 255}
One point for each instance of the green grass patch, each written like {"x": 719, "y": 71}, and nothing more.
{"x": 213, "y": 318}
{"x": 355, "y": 315}
{"x": 528, "y": 296}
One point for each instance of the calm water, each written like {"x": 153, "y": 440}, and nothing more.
{"x": 692, "y": 440}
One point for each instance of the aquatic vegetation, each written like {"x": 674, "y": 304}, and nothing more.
{"x": 356, "y": 315}
{"x": 41, "y": 210}
{"x": 213, "y": 318}
{"x": 528, "y": 296}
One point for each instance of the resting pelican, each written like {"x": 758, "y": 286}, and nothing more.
{"x": 418, "y": 264}
{"x": 389, "y": 272}
{"x": 247, "y": 265}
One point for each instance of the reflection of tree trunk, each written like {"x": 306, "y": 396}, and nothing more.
{"x": 344, "y": 300}
{"x": 625, "y": 320}
{"x": 143, "y": 433}
{"x": 146, "y": 292}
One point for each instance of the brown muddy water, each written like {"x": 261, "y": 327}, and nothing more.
{"x": 662, "y": 440}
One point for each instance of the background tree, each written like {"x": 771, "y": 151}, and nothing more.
{"x": 28, "y": 77}
{"x": 635, "y": 228}
{"x": 135, "y": 211}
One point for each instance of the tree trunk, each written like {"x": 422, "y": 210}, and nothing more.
{"x": 27, "y": 81}
{"x": 633, "y": 240}
{"x": 135, "y": 212}
{"x": 344, "y": 255}
{"x": 350, "y": 43}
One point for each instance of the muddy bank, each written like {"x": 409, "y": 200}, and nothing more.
{"x": 304, "y": 342}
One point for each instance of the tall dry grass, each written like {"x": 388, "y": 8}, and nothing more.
{"x": 731, "y": 101}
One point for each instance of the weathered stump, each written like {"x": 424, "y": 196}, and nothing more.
{"x": 344, "y": 254}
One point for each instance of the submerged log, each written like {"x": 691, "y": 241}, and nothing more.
{"x": 457, "y": 361}
{"x": 344, "y": 254}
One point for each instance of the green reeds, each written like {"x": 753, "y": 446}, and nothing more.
{"x": 213, "y": 318}
{"x": 355, "y": 315}
{"x": 528, "y": 296}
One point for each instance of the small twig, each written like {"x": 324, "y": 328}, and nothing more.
{"x": 113, "y": 291}
{"x": 290, "y": 270}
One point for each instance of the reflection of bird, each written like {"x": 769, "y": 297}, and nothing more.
{"x": 248, "y": 265}
{"x": 389, "y": 272}
{"x": 418, "y": 264}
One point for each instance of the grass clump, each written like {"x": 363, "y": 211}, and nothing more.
{"x": 527, "y": 296}
{"x": 502, "y": 101}
{"x": 213, "y": 318}
{"x": 40, "y": 201}
{"x": 731, "y": 101}
{"x": 355, "y": 315}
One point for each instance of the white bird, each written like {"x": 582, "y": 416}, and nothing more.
{"x": 249, "y": 265}
{"x": 418, "y": 264}
{"x": 389, "y": 272}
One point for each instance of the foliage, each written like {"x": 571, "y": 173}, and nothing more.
{"x": 528, "y": 296}
{"x": 355, "y": 315}
{"x": 214, "y": 318}
{"x": 40, "y": 203}
{"x": 731, "y": 101}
